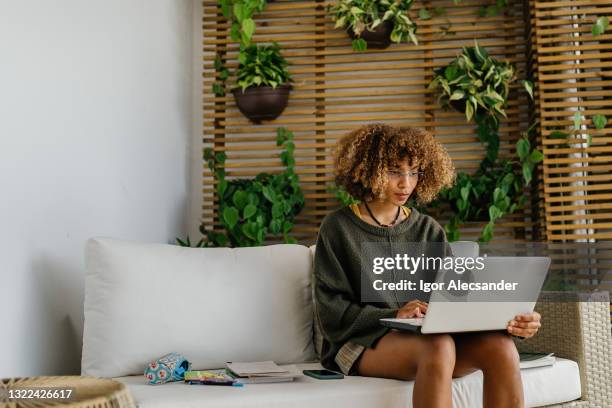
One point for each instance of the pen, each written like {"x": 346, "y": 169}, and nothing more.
{"x": 235, "y": 384}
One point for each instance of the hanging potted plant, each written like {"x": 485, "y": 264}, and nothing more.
{"x": 475, "y": 82}
{"x": 262, "y": 82}
{"x": 478, "y": 85}
{"x": 374, "y": 23}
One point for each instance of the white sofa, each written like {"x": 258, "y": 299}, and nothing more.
{"x": 244, "y": 304}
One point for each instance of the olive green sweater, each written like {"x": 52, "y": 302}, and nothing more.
{"x": 337, "y": 281}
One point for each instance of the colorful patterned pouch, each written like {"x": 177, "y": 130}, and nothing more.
{"x": 170, "y": 367}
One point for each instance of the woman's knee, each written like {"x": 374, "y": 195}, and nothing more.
{"x": 497, "y": 350}
{"x": 437, "y": 350}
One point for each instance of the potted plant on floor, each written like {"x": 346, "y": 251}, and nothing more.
{"x": 478, "y": 85}
{"x": 374, "y": 23}
{"x": 262, "y": 82}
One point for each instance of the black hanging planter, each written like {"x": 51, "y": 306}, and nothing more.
{"x": 379, "y": 39}
{"x": 259, "y": 103}
{"x": 458, "y": 105}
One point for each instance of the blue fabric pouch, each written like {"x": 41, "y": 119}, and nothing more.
{"x": 170, "y": 367}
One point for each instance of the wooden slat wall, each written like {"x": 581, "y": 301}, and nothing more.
{"x": 337, "y": 90}
{"x": 538, "y": 206}
{"x": 574, "y": 71}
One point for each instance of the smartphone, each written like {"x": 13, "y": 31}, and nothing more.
{"x": 323, "y": 374}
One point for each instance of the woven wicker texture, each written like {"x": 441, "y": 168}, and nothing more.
{"x": 89, "y": 392}
{"x": 579, "y": 331}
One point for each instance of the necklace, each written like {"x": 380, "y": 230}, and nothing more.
{"x": 374, "y": 218}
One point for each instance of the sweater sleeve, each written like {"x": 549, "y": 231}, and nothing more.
{"x": 341, "y": 315}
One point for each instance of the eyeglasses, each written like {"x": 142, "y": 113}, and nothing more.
{"x": 395, "y": 174}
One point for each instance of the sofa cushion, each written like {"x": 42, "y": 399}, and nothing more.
{"x": 210, "y": 304}
{"x": 542, "y": 386}
{"x": 317, "y": 336}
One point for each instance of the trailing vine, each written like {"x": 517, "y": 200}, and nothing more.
{"x": 478, "y": 85}
{"x": 250, "y": 209}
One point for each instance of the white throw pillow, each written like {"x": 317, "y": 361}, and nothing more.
{"x": 212, "y": 305}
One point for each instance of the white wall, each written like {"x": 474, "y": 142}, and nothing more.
{"x": 95, "y": 133}
{"x": 197, "y": 145}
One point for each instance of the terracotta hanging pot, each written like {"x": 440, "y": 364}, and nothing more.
{"x": 380, "y": 38}
{"x": 262, "y": 102}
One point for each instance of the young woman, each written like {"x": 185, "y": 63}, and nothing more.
{"x": 383, "y": 166}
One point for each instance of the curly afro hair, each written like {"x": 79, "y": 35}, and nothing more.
{"x": 363, "y": 156}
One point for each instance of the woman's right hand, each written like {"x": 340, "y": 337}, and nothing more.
{"x": 414, "y": 308}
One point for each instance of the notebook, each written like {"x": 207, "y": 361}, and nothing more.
{"x": 261, "y": 372}
{"x": 531, "y": 360}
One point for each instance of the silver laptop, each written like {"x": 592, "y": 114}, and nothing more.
{"x": 476, "y": 310}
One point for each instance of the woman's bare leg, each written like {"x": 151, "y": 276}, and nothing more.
{"x": 429, "y": 359}
{"x": 496, "y": 355}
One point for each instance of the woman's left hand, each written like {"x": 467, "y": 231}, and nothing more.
{"x": 525, "y": 325}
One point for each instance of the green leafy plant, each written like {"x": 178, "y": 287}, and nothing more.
{"x": 262, "y": 65}
{"x": 252, "y": 208}
{"x": 478, "y": 85}
{"x": 240, "y": 14}
{"x": 492, "y": 9}
{"x": 360, "y": 15}
{"x": 494, "y": 191}
{"x": 258, "y": 64}
{"x": 474, "y": 80}
{"x": 218, "y": 87}
{"x": 342, "y": 195}
{"x": 187, "y": 243}
{"x": 426, "y": 14}
{"x": 599, "y": 121}
{"x": 600, "y": 26}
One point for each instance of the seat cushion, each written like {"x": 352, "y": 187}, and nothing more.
{"x": 542, "y": 385}
{"x": 212, "y": 305}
